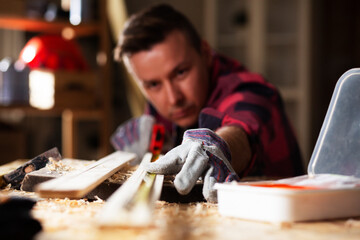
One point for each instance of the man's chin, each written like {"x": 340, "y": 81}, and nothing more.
{"x": 185, "y": 122}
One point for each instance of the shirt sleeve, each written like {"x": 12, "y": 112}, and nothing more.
{"x": 256, "y": 107}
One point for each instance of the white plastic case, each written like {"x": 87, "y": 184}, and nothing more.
{"x": 303, "y": 198}
{"x": 332, "y": 187}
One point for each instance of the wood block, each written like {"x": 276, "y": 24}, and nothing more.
{"x": 103, "y": 191}
{"x": 78, "y": 183}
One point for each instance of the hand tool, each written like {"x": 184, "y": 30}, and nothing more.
{"x": 16, "y": 176}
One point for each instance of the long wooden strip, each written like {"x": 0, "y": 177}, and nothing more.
{"x": 131, "y": 204}
{"x": 78, "y": 183}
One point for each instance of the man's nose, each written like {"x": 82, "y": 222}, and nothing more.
{"x": 174, "y": 93}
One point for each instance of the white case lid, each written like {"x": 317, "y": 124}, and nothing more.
{"x": 337, "y": 150}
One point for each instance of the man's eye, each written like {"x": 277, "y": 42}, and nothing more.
{"x": 151, "y": 85}
{"x": 182, "y": 72}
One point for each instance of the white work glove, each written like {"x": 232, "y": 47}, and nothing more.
{"x": 134, "y": 136}
{"x": 202, "y": 154}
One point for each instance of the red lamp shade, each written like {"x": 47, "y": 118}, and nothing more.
{"x": 53, "y": 52}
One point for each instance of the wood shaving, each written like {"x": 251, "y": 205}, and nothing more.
{"x": 284, "y": 225}
{"x": 65, "y": 218}
{"x": 184, "y": 221}
{"x": 76, "y": 219}
{"x": 66, "y": 165}
{"x": 353, "y": 223}
{"x": 9, "y": 192}
{"x": 122, "y": 175}
{"x": 58, "y": 166}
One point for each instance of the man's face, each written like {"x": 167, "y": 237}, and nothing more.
{"x": 173, "y": 76}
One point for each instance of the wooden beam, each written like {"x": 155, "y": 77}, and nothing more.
{"x": 69, "y": 130}
{"x": 78, "y": 183}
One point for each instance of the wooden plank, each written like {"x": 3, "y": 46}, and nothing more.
{"x": 132, "y": 204}
{"x": 78, "y": 183}
{"x": 51, "y": 171}
{"x": 56, "y": 27}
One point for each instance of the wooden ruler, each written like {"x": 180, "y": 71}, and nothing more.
{"x": 133, "y": 203}
{"x": 78, "y": 183}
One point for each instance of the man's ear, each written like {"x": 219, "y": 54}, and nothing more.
{"x": 206, "y": 52}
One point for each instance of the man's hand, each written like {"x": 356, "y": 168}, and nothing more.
{"x": 134, "y": 136}
{"x": 202, "y": 154}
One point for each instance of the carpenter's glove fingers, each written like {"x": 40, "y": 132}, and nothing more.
{"x": 218, "y": 168}
{"x": 209, "y": 193}
{"x": 134, "y": 136}
{"x": 188, "y": 161}
{"x": 170, "y": 163}
{"x": 220, "y": 171}
{"x": 194, "y": 166}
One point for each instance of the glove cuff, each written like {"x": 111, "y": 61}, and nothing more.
{"x": 208, "y": 138}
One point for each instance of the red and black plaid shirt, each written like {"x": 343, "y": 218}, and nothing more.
{"x": 241, "y": 98}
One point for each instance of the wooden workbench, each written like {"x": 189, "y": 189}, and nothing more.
{"x": 76, "y": 219}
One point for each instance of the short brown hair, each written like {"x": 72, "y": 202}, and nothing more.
{"x": 151, "y": 26}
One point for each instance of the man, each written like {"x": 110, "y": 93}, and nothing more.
{"x": 224, "y": 121}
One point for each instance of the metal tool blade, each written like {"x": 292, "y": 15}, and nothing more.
{"x": 16, "y": 176}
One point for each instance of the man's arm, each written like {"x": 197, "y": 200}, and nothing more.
{"x": 239, "y": 146}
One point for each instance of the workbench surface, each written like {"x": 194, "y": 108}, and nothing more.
{"x": 76, "y": 219}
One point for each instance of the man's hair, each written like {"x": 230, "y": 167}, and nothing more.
{"x": 151, "y": 26}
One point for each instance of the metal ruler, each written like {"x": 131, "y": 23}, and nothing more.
{"x": 133, "y": 203}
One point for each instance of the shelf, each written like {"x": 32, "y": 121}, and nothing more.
{"x": 73, "y": 116}
{"x": 55, "y": 27}
{"x": 91, "y": 113}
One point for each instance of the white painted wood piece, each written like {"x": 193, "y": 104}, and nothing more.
{"x": 78, "y": 183}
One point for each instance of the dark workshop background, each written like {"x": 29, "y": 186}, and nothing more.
{"x": 301, "y": 46}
